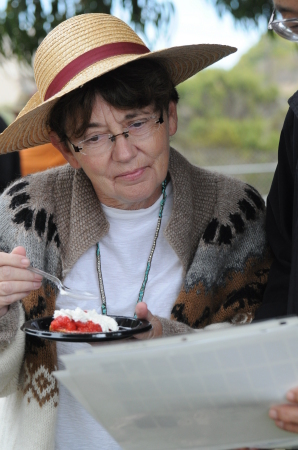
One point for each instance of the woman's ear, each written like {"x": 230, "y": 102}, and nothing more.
{"x": 65, "y": 150}
{"x": 173, "y": 118}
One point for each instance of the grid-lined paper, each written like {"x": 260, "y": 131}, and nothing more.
{"x": 210, "y": 390}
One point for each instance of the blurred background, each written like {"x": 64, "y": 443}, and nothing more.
{"x": 230, "y": 115}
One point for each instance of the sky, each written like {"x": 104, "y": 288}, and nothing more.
{"x": 197, "y": 22}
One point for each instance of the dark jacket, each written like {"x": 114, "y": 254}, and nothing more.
{"x": 9, "y": 164}
{"x": 281, "y": 294}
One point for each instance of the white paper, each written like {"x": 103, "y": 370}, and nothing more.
{"x": 209, "y": 390}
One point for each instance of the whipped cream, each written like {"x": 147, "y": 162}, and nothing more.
{"x": 78, "y": 315}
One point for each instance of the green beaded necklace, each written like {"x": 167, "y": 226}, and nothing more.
{"x": 148, "y": 266}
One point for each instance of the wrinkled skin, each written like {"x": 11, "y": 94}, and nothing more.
{"x": 128, "y": 176}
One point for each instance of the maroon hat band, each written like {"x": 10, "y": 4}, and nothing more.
{"x": 87, "y": 59}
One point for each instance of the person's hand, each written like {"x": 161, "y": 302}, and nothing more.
{"x": 143, "y": 312}
{"x": 16, "y": 282}
{"x": 286, "y": 416}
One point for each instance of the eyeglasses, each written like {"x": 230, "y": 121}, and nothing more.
{"x": 285, "y": 28}
{"x": 100, "y": 143}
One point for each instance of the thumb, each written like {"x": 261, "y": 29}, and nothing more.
{"x": 19, "y": 251}
{"x": 143, "y": 312}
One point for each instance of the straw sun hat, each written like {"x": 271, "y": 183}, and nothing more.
{"x": 85, "y": 47}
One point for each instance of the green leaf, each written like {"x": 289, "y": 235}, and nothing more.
{"x": 25, "y": 23}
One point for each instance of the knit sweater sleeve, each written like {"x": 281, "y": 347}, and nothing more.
{"x": 19, "y": 212}
{"x": 12, "y": 339}
{"x": 171, "y": 327}
{"x": 12, "y": 347}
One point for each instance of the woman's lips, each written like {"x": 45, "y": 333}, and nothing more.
{"x": 133, "y": 175}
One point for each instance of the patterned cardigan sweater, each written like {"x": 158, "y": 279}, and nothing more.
{"x": 216, "y": 229}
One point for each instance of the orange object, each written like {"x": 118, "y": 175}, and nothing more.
{"x": 42, "y": 157}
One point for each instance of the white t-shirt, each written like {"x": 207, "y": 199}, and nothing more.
{"x": 124, "y": 254}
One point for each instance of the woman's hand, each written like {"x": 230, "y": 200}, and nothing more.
{"x": 16, "y": 282}
{"x": 286, "y": 416}
{"x": 143, "y": 312}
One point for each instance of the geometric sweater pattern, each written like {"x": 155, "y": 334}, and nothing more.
{"x": 216, "y": 229}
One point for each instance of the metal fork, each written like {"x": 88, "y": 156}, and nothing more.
{"x": 64, "y": 290}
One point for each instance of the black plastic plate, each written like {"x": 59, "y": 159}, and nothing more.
{"x": 128, "y": 326}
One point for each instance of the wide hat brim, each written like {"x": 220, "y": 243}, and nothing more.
{"x": 30, "y": 127}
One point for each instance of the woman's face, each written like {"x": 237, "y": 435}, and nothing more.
{"x": 129, "y": 175}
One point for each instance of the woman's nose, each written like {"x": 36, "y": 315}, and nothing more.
{"x": 123, "y": 150}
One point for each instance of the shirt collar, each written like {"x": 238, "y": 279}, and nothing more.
{"x": 194, "y": 192}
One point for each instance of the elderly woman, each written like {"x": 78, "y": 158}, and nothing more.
{"x": 128, "y": 219}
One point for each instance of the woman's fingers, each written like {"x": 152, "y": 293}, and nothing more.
{"x": 19, "y": 251}
{"x": 143, "y": 312}
{"x": 17, "y": 258}
{"x": 285, "y": 417}
{"x": 10, "y": 291}
{"x": 292, "y": 395}
{"x": 293, "y": 427}
{"x": 10, "y": 273}
{"x": 15, "y": 280}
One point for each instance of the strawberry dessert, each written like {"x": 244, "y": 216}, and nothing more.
{"x": 79, "y": 321}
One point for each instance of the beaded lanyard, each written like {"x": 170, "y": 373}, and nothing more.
{"x": 142, "y": 290}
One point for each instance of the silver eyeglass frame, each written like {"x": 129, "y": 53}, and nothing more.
{"x": 285, "y": 32}
{"x": 112, "y": 137}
